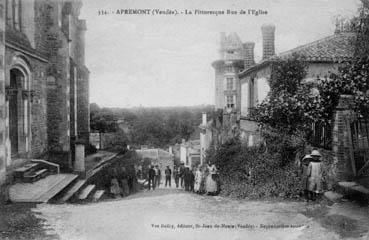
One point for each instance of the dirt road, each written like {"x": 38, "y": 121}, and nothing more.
{"x": 175, "y": 214}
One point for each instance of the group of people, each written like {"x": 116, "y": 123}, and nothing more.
{"x": 154, "y": 176}
{"x": 311, "y": 175}
{"x": 203, "y": 179}
{"x": 122, "y": 181}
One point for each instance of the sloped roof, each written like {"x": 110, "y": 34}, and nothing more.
{"x": 336, "y": 48}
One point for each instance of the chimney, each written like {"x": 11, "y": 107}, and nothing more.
{"x": 248, "y": 48}
{"x": 267, "y": 31}
{"x": 223, "y": 40}
{"x": 204, "y": 119}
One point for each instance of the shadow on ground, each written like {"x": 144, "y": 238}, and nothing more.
{"x": 344, "y": 226}
{"x": 18, "y": 222}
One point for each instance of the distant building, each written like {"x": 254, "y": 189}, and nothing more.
{"x": 158, "y": 157}
{"x": 190, "y": 153}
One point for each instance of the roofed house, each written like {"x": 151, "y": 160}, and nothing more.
{"x": 323, "y": 57}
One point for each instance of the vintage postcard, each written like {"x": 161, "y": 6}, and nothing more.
{"x": 184, "y": 119}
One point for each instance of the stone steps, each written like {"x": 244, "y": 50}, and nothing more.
{"x": 33, "y": 176}
{"x": 20, "y": 173}
{"x": 72, "y": 191}
{"x": 354, "y": 186}
{"x": 86, "y": 192}
{"x": 42, "y": 190}
{"x": 98, "y": 194}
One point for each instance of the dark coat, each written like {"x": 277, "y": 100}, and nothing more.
{"x": 151, "y": 173}
{"x": 168, "y": 172}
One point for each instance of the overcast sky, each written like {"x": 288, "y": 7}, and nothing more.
{"x": 166, "y": 60}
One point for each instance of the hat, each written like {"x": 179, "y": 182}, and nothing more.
{"x": 306, "y": 157}
{"x": 316, "y": 153}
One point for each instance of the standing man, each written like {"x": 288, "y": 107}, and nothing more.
{"x": 152, "y": 177}
{"x": 168, "y": 176}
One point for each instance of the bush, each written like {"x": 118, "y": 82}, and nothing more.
{"x": 253, "y": 173}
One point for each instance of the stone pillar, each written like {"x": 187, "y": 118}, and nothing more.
{"x": 3, "y": 108}
{"x": 58, "y": 93}
{"x": 79, "y": 163}
{"x": 341, "y": 139}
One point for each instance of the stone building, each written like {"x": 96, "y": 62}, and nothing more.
{"x": 44, "y": 83}
{"x": 349, "y": 135}
{"x": 240, "y": 83}
{"x": 323, "y": 57}
{"x": 235, "y": 56}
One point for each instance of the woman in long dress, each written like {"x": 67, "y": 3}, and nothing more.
{"x": 198, "y": 178}
{"x": 205, "y": 173}
{"x": 115, "y": 189}
{"x": 211, "y": 184}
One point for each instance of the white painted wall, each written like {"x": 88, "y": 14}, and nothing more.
{"x": 244, "y": 98}
{"x": 262, "y": 89}
{"x": 183, "y": 154}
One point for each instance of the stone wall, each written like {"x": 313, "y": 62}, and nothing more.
{"x": 341, "y": 139}
{"x": 36, "y": 103}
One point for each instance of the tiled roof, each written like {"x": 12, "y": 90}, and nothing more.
{"x": 336, "y": 48}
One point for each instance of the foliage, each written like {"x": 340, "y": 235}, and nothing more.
{"x": 293, "y": 104}
{"x": 284, "y": 107}
{"x": 285, "y": 146}
{"x": 118, "y": 143}
{"x": 101, "y": 119}
{"x": 252, "y": 173}
{"x": 155, "y": 127}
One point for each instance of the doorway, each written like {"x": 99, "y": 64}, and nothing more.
{"x": 16, "y": 120}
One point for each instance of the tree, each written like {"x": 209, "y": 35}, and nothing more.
{"x": 282, "y": 109}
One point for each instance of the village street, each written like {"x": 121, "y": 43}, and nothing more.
{"x": 175, "y": 214}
